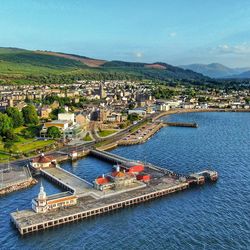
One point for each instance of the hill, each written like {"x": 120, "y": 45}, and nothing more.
{"x": 26, "y": 66}
{"x": 214, "y": 70}
{"x": 243, "y": 75}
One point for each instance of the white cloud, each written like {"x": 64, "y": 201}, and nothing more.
{"x": 172, "y": 34}
{"x": 238, "y": 49}
{"x": 138, "y": 54}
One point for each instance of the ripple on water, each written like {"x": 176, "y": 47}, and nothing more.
{"x": 214, "y": 216}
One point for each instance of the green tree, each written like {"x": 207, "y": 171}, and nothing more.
{"x": 54, "y": 132}
{"x": 133, "y": 117}
{"x": 11, "y": 136}
{"x": 30, "y": 115}
{"x": 247, "y": 99}
{"x": 10, "y": 146}
{"x": 6, "y": 124}
{"x": 53, "y": 115}
{"x": 16, "y": 116}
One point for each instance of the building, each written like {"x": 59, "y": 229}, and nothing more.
{"x": 163, "y": 107}
{"x": 44, "y": 203}
{"x": 102, "y": 92}
{"x": 43, "y": 161}
{"x": 143, "y": 177}
{"x": 72, "y": 132}
{"x": 45, "y": 112}
{"x": 116, "y": 179}
{"x": 134, "y": 167}
{"x": 62, "y": 125}
{"x": 82, "y": 120}
{"x": 70, "y": 117}
{"x": 140, "y": 112}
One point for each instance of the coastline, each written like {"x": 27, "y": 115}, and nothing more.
{"x": 159, "y": 126}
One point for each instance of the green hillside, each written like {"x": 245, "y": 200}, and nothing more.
{"x": 25, "y": 66}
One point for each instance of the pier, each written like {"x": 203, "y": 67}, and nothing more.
{"x": 68, "y": 181}
{"x": 93, "y": 202}
{"x": 181, "y": 124}
{"x": 28, "y": 221}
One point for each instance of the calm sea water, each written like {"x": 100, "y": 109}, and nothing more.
{"x": 215, "y": 216}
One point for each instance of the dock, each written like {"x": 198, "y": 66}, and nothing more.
{"x": 68, "y": 181}
{"x": 181, "y": 124}
{"x": 93, "y": 202}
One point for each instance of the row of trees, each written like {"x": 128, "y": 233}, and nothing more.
{"x": 13, "y": 118}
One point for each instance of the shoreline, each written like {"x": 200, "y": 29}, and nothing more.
{"x": 159, "y": 126}
{"x": 115, "y": 143}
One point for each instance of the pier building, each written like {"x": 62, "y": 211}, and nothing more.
{"x": 44, "y": 203}
{"x": 43, "y": 161}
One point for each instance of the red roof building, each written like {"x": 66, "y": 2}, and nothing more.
{"x": 43, "y": 161}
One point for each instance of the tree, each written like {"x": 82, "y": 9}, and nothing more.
{"x": 54, "y": 132}
{"x": 30, "y": 115}
{"x": 16, "y": 116}
{"x": 6, "y": 124}
{"x": 10, "y": 146}
{"x": 53, "y": 115}
{"x": 133, "y": 117}
{"x": 11, "y": 136}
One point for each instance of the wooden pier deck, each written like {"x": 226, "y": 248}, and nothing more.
{"x": 67, "y": 180}
{"x": 28, "y": 221}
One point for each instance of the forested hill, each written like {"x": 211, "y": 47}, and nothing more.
{"x": 26, "y": 66}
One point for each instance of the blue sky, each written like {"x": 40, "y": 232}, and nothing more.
{"x": 173, "y": 31}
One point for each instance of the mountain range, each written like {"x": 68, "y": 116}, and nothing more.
{"x": 217, "y": 70}
{"x": 20, "y": 65}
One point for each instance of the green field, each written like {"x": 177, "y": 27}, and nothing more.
{"x": 25, "y": 146}
{"x": 107, "y": 132}
{"x": 87, "y": 137}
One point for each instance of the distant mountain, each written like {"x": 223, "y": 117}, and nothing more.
{"x": 243, "y": 75}
{"x": 215, "y": 70}
{"x": 19, "y": 65}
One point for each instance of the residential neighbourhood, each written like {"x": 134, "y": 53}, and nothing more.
{"x": 87, "y": 110}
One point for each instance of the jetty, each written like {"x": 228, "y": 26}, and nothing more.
{"x": 93, "y": 202}
{"x": 181, "y": 124}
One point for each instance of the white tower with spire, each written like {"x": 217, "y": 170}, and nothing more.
{"x": 39, "y": 204}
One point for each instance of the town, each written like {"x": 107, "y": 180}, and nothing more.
{"x": 39, "y": 118}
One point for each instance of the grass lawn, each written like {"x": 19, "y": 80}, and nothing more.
{"x": 28, "y": 145}
{"x": 135, "y": 128}
{"x": 107, "y": 132}
{"x": 87, "y": 137}
{"x": 4, "y": 157}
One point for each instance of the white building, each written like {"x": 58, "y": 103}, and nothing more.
{"x": 140, "y": 112}
{"x": 70, "y": 117}
{"x": 44, "y": 203}
{"x": 163, "y": 107}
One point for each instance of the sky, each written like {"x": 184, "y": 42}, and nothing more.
{"x": 177, "y": 32}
